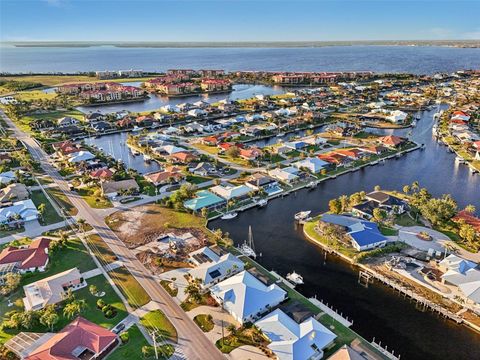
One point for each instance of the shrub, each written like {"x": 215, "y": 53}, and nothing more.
{"x": 100, "y": 304}
{"x": 109, "y": 314}
{"x": 124, "y": 337}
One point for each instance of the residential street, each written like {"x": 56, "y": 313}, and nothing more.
{"x": 191, "y": 340}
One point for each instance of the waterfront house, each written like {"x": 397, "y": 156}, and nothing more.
{"x": 295, "y": 341}
{"x": 251, "y": 153}
{"x": 211, "y": 268}
{"x": 183, "y": 157}
{"x": 346, "y": 353}
{"x": 33, "y": 257}
{"x": 287, "y": 175}
{"x": 93, "y": 117}
{"x": 397, "y": 117}
{"x": 52, "y": 289}
{"x": 204, "y": 169}
{"x": 7, "y": 177}
{"x": 364, "y": 235}
{"x": 215, "y": 85}
{"x": 67, "y": 121}
{"x": 228, "y": 191}
{"x": 388, "y": 202}
{"x": 80, "y": 156}
{"x": 312, "y": 164}
{"x": 65, "y": 148}
{"x": 391, "y": 141}
{"x": 102, "y": 174}
{"x": 259, "y": 181}
{"x": 463, "y": 274}
{"x": 101, "y": 126}
{"x": 164, "y": 177}
{"x": 13, "y": 192}
{"x": 111, "y": 189}
{"x": 246, "y": 298}
{"x": 204, "y": 199}
{"x": 19, "y": 211}
{"x": 81, "y": 339}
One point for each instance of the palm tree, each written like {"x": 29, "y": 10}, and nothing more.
{"x": 232, "y": 329}
{"x": 41, "y": 210}
{"x": 470, "y": 208}
{"x": 74, "y": 308}
{"x": 81, "y": 223}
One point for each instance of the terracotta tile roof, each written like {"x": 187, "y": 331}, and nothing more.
{"x": 183, "y": 156}
{"x": 162, "y": 176}
{"x": 79, "y": 333}
{"x": 391, "y": 140}
{"x": 33, "y": 256}
{"x": 102, "y": 173}
{"x": 468, "y": 218}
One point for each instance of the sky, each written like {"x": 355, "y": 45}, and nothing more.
{"x": 238, "y": 20}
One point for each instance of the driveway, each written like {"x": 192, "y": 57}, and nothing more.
{"x": 247, "y": 352}
{"x": 409, "y": 236}
{"x": 180, "y": 282}
{"x": 218, "y": 315}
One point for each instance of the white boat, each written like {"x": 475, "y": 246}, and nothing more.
{"x": 262, "y": 202}
{"x": 147, "y": 158}
{"x": 134, "y": 152}
{"x": 414, "y": 123}
{"x": 295, "y": 278}
{"x": 229, "y": 216}
{"x": 136, "y": 128}
{"x": 311, "y": 184}
{"x": 459, "y": 159}
{"x": 248, "y": 247}
{"x": 280, "y": 134}
{"x": 302, "y": 215}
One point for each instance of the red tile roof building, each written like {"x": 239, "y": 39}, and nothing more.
{"x": 81, "y": 339}
{"x": 31, "y": 258}
{"x": 102, "y": 174}
{"x": 468, "y": 218}
{"x": 391, "y": 140}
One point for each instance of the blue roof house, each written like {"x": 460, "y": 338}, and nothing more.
{"x": 204, "y": 199}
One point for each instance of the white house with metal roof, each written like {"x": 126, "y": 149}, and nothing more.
{"x": 245, "y": 297}
{"x": 213, "y": 268}
{"x": 228, "y": 191}
{"x": 293, "y": 341}
{"x": 463, "y": 274}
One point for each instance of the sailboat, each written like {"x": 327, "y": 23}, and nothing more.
{"x": 248, "y": 247}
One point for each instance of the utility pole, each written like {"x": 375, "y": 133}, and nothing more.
{"x": 155, "y": 343}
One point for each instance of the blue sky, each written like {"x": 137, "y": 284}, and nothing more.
{"x": 238, "y": 20}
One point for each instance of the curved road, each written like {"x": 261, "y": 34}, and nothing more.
{"x": 192, "y": 343}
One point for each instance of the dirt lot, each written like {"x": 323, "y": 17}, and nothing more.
{"x": 143, "y": 224}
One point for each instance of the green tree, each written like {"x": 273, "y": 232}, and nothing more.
{"x": 49, "y": 317}
{"x": 438, "y": 211}
{"x": 41, "y": 210}
{"x": 379, "y": 215}
{"x": 233, "y": 152}
{"x": 344, "y": 201}
{"x": 467, "y": 232}
{"x": 334, "y": 206}
{"x": 377, "y": 188}
{"x": 147, "y": 351}
{"x": 470, "y": 208}
{"x": 406, "y": 189}
{"x": 93, "y": 289}
{"x": 74, "y": 308}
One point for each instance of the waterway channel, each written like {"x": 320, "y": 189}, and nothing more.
{"x": 377, "y": 311}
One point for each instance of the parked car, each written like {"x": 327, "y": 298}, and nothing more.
{"x": 117, "y": 329}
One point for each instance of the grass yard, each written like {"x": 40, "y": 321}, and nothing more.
{"x": 388, "y": 231}
{"x": 34, "y": 95}
{"x": 133, "y": 348}
{"x": 62, "y": 200}
{"x": 50, "y": 215}
{"x": 166, "y": 285}
{"x": 52, "y": 80}
{"x": 244, "y": 336}
{"x": 94, "y": 314}
{"x": 93, "y": 201}
{"x": 204, "y": 322}
{"x": 4, "y": 233}
{"x": 100, "y": 249}
{"x": 405, "y": 220}
{"x": 130, "y": 287}
{"x": 193, "y": 179}
{"x": 157, "y": 320}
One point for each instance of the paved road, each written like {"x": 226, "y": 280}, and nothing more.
{"x": 191, "y": 340}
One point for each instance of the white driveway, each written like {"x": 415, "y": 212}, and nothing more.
{"x": 180, "y": 282}
{"x": 409, "y": 236}
{"x": 218, "y": 316}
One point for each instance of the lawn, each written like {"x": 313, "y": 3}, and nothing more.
{"x": 94, "y": 314}
{"x": 388, "y": 231}
{"x": 50, "y": 215}
{"x": 204, "y": 322}
{"x": 91, "y": 312}
{"x": 133, "y": 348}
{"x": 52, "y": 80}
{"x": 157, "y": 320}
{"x": 100, "y": 249}
{"x": 244, "y": 336}
{"x": 193, "y": 179}
{"x": 130, "y": 287}
{"x": 405, "y": 220}
{"x": 34, "y": 95}
{"x": 4, "y": 233}
{"x": 166, "y": 285}
{"x": 93, "y": 201}
{"x": 62, "y": 200}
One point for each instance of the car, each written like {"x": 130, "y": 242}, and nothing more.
{"x": 117, "y": 329}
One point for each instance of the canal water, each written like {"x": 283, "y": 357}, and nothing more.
{"x": 377, "y": 311}
{"x": 154, "y": 102}
{"x": 115, "y": 146}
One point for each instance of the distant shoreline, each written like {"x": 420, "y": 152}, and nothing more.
{"x": 243, "y": 44}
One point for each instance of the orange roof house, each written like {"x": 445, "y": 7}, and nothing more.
{"x": 102, "y": 173}
{"x": 391, "y": 140}
{"x": 183, "y": 157}
{"x": 163, "y": 177}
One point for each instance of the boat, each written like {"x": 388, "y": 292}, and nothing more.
{"x": 417, "y": 117}
{"x": 414, "y": 123}
{"x": 262, "y": 202}
{"x": 459, "y": 159}
{"x": 311, "y": 185}
{"x": 248, "y": 247}
{"x": 228, "y": 216}
{"x": 311, "y": 126}
{"x": 473, "y": 170}
{"x": 134, "y": 152}
{"x": 136, "y": 128}
{"x": 302, "y": 215}
{"x": 280, "y": 134}
{"x": 295, "y": 278}
{"x": 147, "y": 158}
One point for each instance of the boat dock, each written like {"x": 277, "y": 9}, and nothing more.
{"x": 282, "y": 279}
{"x": 331, "y": 312}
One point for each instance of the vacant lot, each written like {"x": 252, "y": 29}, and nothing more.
{"x": 100, "y": 249}
{"x": 156, "y": 320}
{"x": 143, "y": 224}
{"x": 50, "y": 216}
